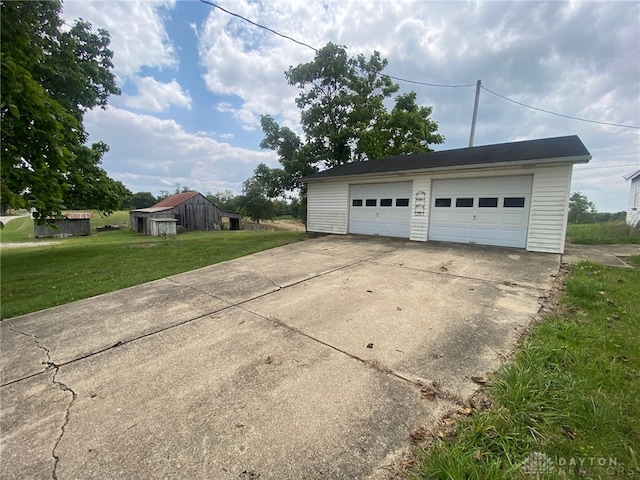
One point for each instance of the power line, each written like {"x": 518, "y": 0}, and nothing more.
{"x": 425, "y": 83}
{"x": 259, "y": 26}
{"x": 431, "y": 84}
{"x": 316, "y": 49}
{"x": 558, "y": 114}
{"x": 577, "y": 168}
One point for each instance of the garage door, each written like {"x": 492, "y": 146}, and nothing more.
{"x": 380, "y": 209}
{"x": 486, "y": 211}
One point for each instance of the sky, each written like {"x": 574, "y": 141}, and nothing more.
{"x": 195, "y": 79}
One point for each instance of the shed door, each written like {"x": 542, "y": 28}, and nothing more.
{"x": 380, "y": 209}
{"x": 486, "y": 211}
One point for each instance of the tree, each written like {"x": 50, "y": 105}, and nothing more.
{"x": 343, "y": 118}
{"x": 254, "y": 202}
{"x": 50, "y": 78}
{"x": 142, "y": 200}
{"x": 581, "y": 210}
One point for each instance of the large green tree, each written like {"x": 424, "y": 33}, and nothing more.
{"x": 254, "y": 202}
{"x": 343, "y": 118}
{"x": 581, "y": 209}
{"x": 50, "y": 77}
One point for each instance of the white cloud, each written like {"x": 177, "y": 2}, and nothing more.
{"x": 577, "y": 58}
{"x": 148, "y": 153}
{"x": 155, "y": 96}
{"x": 138, "y": 35}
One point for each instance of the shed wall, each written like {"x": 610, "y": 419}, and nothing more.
{"x": 633, "y": 209}
{"x": 140, "y": 221}
{"x": 66, "y": 227}
{"x": 198, "y": 213}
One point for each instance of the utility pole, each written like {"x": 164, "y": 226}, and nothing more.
{"x": 475, "y": 114}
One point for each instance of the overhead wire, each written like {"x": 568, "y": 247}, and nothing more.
{"x": 580, "y": 168}
{"x": 416, "y": 82}
{"x": 557, "y": 114}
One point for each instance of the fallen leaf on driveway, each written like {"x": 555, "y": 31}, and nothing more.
{"x": 277, "y": 360}
{"x": 465, "y": 411}
{"x": 480, "y": 380}
{"x": 428, "y": 393}
{"x": 418, "y": 434}
{"x": 448, "y": 421}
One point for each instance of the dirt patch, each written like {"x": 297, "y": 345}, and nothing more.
{"x": 280, "y": 225}
{"x": 144, "y": 245}
{"x": 26, "y": 244}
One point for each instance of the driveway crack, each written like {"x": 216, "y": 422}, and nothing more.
{"x": 36, "y": 340}
{"x": 61, "y": 386}
{"x": 65, "y": 388}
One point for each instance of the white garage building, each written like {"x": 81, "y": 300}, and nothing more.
{"x": 510, "y": 194}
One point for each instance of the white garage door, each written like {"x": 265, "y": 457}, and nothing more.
{"x": 487, "y": 211}
{"x": 380, "y": 209}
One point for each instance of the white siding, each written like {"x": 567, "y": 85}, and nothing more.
{"x": 420, "y": 214}
{"x": 327, "y": 207}
{"x": 328, "y": 203}
{"x": 549, "y": 209}
{"x": 633, "y": 211}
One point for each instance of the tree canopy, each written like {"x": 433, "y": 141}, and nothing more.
{"x": 50, "y": 78}
{"x": 344, "y": 119}
{"x": 581, "y": 210}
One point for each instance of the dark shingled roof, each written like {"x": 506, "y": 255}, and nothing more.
{"x": 568, "y": 149}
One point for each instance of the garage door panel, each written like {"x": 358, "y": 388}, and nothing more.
{"x": 513, "y": 218}
{"x": 490, "y": 211}
{"x": 485, "y": 218}
{"x": 375, "y": 209}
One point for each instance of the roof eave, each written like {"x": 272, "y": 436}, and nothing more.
{"x": 632, "y": 176}
{"x": 486, "y": 166}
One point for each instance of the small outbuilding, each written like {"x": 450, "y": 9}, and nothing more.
{"x": 68, "y": 225}
{"x": 189, "y": 211}
{"x": 510, "y": 194}
{"x": 633, "y": 208}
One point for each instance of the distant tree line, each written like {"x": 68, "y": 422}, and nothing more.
{"x": 581, "y": 210}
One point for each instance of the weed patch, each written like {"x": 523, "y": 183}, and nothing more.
{"x": 607, "y": 233}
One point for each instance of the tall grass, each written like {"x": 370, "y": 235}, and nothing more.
{"x": 608, "y": 233}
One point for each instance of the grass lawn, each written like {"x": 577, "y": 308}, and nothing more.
{"x": 607, "y": 233}
{"x": 569, "y": 400}
{"x": 70, "y": 269}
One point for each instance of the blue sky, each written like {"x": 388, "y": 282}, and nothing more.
{"x": 195, "y": 80}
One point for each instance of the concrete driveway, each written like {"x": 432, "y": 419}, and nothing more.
{"x": 304, "y": 361}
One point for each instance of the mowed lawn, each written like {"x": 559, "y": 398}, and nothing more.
{"x": 34, "y": 278}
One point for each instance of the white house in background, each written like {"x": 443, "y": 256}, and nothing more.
{"x": 633, "y": 209}
{"x": 509, "y": 194}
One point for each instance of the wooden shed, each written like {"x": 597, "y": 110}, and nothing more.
{"x": 191, "y": 211}
{"x": 68, "y": 225}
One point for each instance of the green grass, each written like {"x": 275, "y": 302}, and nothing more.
{"x": 571, "y": 392}
{"x": 34, "y": 278}
{"x": 607, "y": 233}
